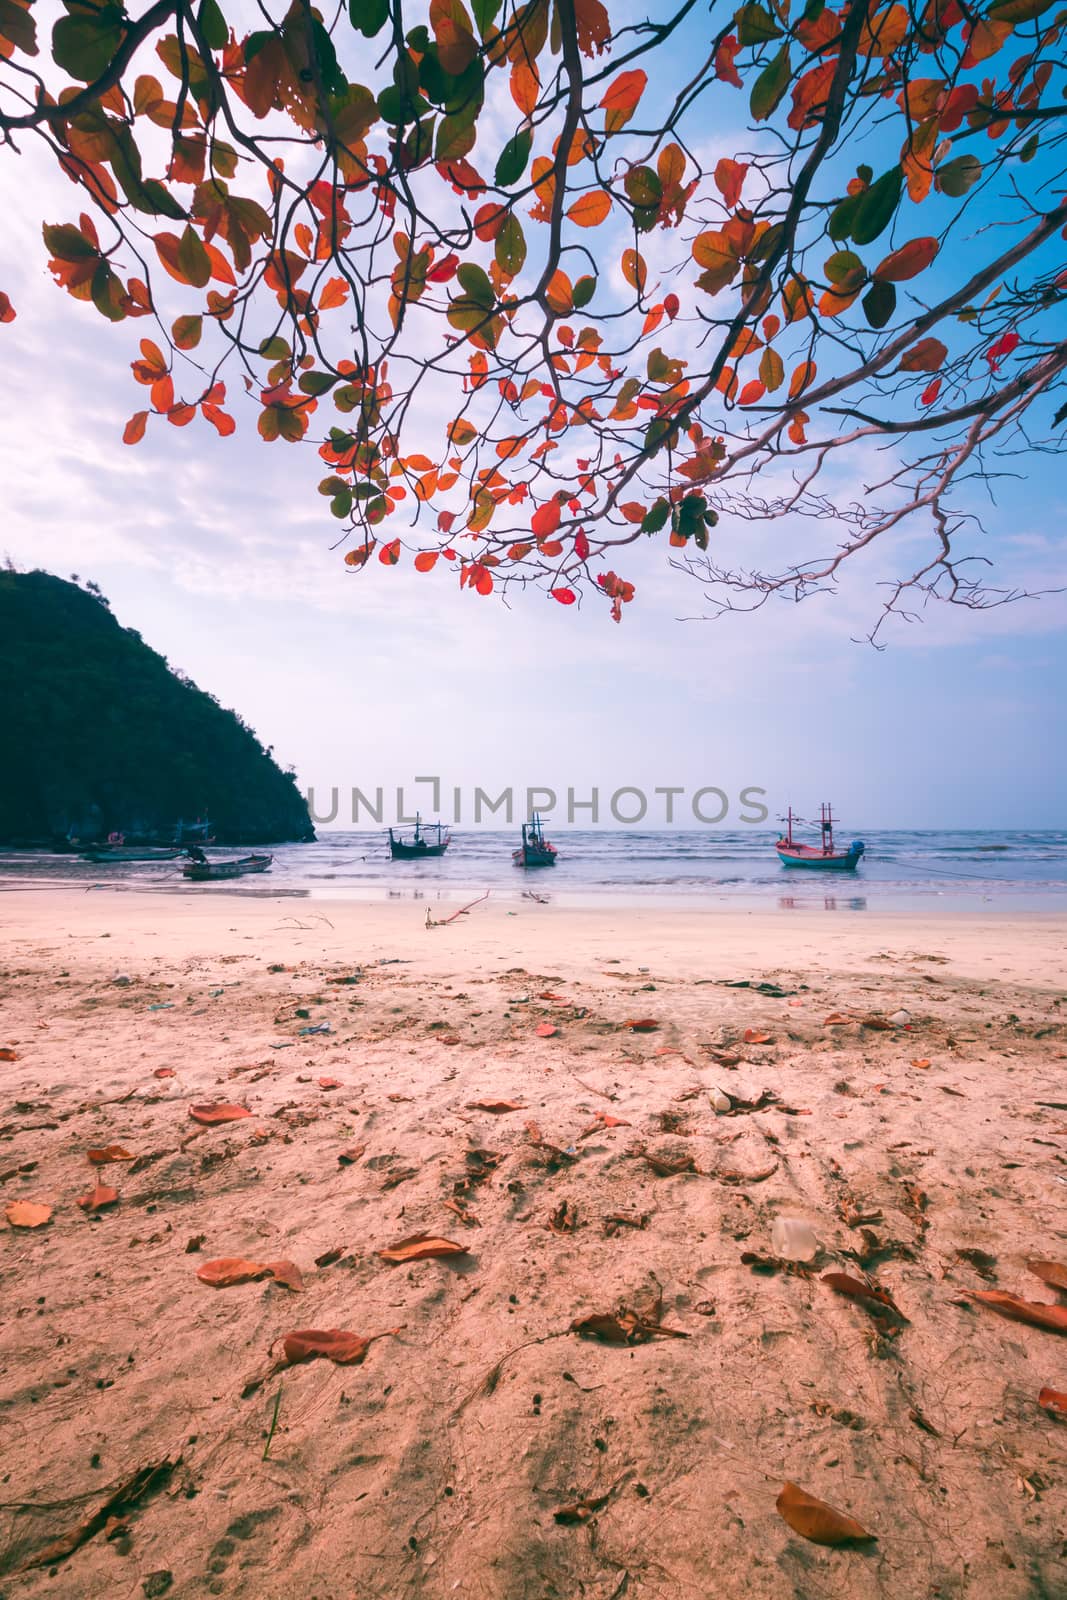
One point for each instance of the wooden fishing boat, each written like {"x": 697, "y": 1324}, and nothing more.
{"x": 535, "y": 850}
{"x": 235, "y": 867}
{"x": 821, "y": 856}
{"x": 112, "y": 855}
{"x": 433, "y": 840}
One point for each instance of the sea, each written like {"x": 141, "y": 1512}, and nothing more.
{"x": 1022, "y": 870}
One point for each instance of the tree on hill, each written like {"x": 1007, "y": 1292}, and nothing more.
{"x": 538, "y": 285}
{"x": 99, "y": 734}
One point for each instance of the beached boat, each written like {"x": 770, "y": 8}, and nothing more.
{"x": 235, "y": 867}
{"x": 535, "y": 850}
{"x": 824, "y": 855}
{"x": 432, "y": 840}
{"x": 113, "y": 855}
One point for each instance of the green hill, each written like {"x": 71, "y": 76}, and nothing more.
{"x": 98, "y": 733}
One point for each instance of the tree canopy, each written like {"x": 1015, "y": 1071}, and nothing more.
{"x": 539, "y": 283}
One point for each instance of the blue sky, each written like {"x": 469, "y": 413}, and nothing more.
{"x": 219, "y": 553}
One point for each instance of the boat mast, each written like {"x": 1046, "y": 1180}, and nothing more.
{"x": 827, "y": 829}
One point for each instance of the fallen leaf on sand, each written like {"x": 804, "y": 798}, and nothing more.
{"x": 164, "y": 1072}
{"x": 349, "y": 1157}
{"x": 877, "y": 1024}
{"x": 668, "y": 1166}
{"x": 27, "y": 1214}
{"x": 229, "y": 1270}
{"x": 111, "y": 1152}
{"x": 757, "y": 1036}
{"x": 98, "y": 1198}
{"x": 212, "y": 1112}
{"x": 330, "y": 1083}
{"x": 1053, "y": 1400}
{"x": 496, "y": 1106}
{"x": 922, "y": 1065}
{"x": 120, "y": 1499}
{"x": 546, "y": 1030}
{"x": 556, "y": 1155}
{"x": 1054, "y": 1318}
{"x": 836, "y": 1019}
{"x": 624, "y": 1219}
{"x": 603, "y": 1120}
{"x": 328, "y": 1257}
{"x": 1054, "y": 1273}
{"x": 580, "y": 1511}
{"x": 546, "y": 994}
{"x": 334, "y": 1344}
{"x": 817, "y": 1521}
{"x": 8, "y": 1055}
{"x": 628, "y": 1328}
{"x": 422, "y": 1247}
{"x": 642, "y": 1025}
{"x": 564, "y": 1219}
{"x": 875, "y": 1301}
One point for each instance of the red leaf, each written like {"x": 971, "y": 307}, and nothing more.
{"x": 907, "y": 262}
{"x": 642, "y": 1025}
{"x": 422, "y": 1247}
{"x": 7, "y": 310}
{"x": 211, "y": 1112}
{"x": 98, "y": 1197}
{"x": 334, "y": 1344}
{"x": 545, "y": 519}
{"x": 546, "y": 1030}
{"x": 1003, "y": 347}
{"x": 817, "y": 1521}
{"x": 566, "y": 597}
{"x": 133, "y": 432}
{"x": 1054, "y": 1318}
{"x": 223, "y": 422}
{"x": 729, "y": 178}
{"x": 581, "y": 545}
{"x": 1053, "y": 1400}
{"x": 111, "y": 1152}
{"x": 930, "y": 393}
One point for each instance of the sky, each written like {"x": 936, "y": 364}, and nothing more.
{"x": 220, "y": 553}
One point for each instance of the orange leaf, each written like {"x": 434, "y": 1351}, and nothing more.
{"x": 27, "y": 1214}
{"x": 426, "y": 560}
{"x": 729, "y": 178}
{"x": 1054, "y": 1273}
{"x": 620, "y": 99}
{"x": 133, "y": 432}
{"x": 546, "y": 1030}
{"x": 497, "y": 1107}
{"x": 335, "y": 292}
{"x": 389, "y": 554}
{"x": 1053, "y": 1400}
{"x": 111, "y": 1152}
{"x": 98, "y": 1198}
{"x": 230, "y": 1270}
{"x": 907, "y": 262}
{"x": 334, "y": 1344}
{"x": 751, "y": 393}
{"x": 589, "y": 210}
{"x": 7, "y": 310}
{"x": 803, "y": 375}
{"x": 641, "y": 1025}
{"x": 1054, "y": 1318}
{"x": 546, "y": 519}
{"x": 208, "y": 1113}
{"x": 757, "y": 1036}
{"x": 422, "y": 1247}
{"x": 817, "y": 1521}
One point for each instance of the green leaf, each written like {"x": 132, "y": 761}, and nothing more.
{"x": 510, "y": 246}
{"x": 643, "y": 186}
{"x": 277, "y": 349}
{"x": 956, "y": 177}
{"x": 1018, "y": 10}
{"x": 874, "y": 210}
{"x": 368, "y": 16}
{"x": 485, "y": 12}
{"x": 771, "y": 85}
{"x": 341, "y": 504}
{"x": 1029, "y": 149}
{"x": 84, "y": 45}
{"x": 656, "y": 518}
{"x": 159, "y": 201}
{"x": 583, "y": 292}
{"x": 106, "y": 291}
{"x": 879, "y": 303}
{"x": 476, "y": 282}
{"x": 213, "y": 25}
{"x": 513, "y": 158}
{"x": 193, "y": 259}
{"x": 840, "y": 224}
{"x": 316, "y": 383}
{"x": 256, "y": 41}
{"x": 17, "y": 26}
{"x": 456, "y": 133}
{"x": 755, "y": 25}
{"x": 64, "y": 241}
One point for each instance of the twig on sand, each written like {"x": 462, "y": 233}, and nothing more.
{"x": 442, "y": 922}
{"x": 542, "y": 899}
{"x": 485, "y": 1386}
{"x": 273, "y": 1422}
{"x": 305, "y": 927}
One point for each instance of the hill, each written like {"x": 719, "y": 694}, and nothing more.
{"x": 98, "y": 733}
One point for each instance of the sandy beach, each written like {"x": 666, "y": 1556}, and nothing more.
{"x": 482, "y": 1082}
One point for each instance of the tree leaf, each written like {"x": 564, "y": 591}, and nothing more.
{"x": 874, "y": 209}
{"x": 110, "y": 1152}
{"x": 879, "y": 304}
{"x": 1053, "y": 1318}
{"x": 511, "y": 163}
{"x": 422, "y": 1247}
{"x": 1054, "y": 1273}
{"x": 959, "y": 175}
{"x": 27, "y": 1214}
{"x": 815, "y": 1520}
{"x": 98, "y": 1198}
{"x": 907, "y": 262}
{"x": 210, "y": 1113}
{"x": 771, "y": 85}
{"x": 226, "y": 1271}
{"x": 589, "y": 210}
{"x": 333, "y": 1344}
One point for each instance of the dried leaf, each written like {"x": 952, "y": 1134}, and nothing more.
{"x": 99, "y": 1197}
{"x": 1054, "y": 1273}
{"x": 602, "y": 1120}
{"x": 579, "y": 1511}
{"x": 119, "y": 1499}
{"x": 668, "y": 1166}
{"x": 212, "y": 1112}
{"x": 111, "y": 1152}
{"x": 333, "y": 1344}
{"x": 348, "y": 1157}
{"x": 625, "y": 1328}
{"x": 164, "y": 1072}
{"x": 330, "y": 1083}
{"x": 1053, "y": 1400}
{"x": 1053, "y": 1318}
{"x": 564, "y": 1219}
{"x": 876, "y": 1024}
{"x": 757, "y": 1036}
{"x": 875, "y": 1301}
{"x": 27, "y": 1214}
{"x": 230, "y": 1270}
{"x": 422, "y": 1247}
{"x": 496, "y": 1106}
{"x": 546, "y": 1030}
{"x": 817, "y": 1521}
{"x": 8, "y": 1055}
{"x": 642, "y": 1025}
{"x": 836, "y": 1019}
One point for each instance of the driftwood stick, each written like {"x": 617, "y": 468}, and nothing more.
{"x": 442, "y": 922}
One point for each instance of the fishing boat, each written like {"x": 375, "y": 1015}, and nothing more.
{"x": 236, "y": 867}
{"x": 433, "y": 840}
{"x": 535, "y": 850}
{"x": 112, "y": 855}
{"x": 824, "y": 855}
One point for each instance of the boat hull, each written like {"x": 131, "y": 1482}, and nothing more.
{"x": 220, "y": 871}
{"x": 839, "y": 861}
{"x": 526, "y": 857}
{"x": 414, "y": 852}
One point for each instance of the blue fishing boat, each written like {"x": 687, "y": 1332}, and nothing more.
{"x": 824, "y": 855}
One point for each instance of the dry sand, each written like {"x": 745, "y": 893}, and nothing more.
{"x": 438, "y": 1466}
